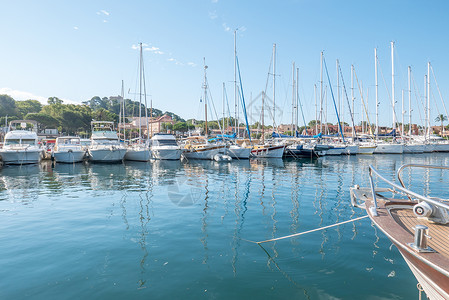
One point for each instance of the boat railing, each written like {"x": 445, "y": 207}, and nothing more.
{"x": 410, "y": 194}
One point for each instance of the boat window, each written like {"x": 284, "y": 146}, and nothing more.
{"x": 12, "y": 142}
{"x": 28, "y": 142}
{"x": 165, "y": 143}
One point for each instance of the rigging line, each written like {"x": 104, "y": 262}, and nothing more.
{"x": 313, "y": 230}
{"x": 300, "y": 105}
{"x": 213, "y": 105}
{"x": 363, "y": 102}
{"x": 243, "y": 101}
{"x": 439, "y": 92}
{"x": 347, "y": 100}
{"x": 418, "y": 98}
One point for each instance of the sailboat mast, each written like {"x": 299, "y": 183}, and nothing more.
{"x": 316, "y": 110}
{"x": 377, "y": 95}
{"x": 352, "y": 97}
{"x": 392, "y": 86}
{"x": 402, "y": 125}
{"x": 223, "y": 121}
{"x": 205, "y": 96}
{"x": 122, "y": 110}
{"x": 140, "y": 93}
{"x": 263, "y": 124}
{"x": 409, "y": 102}
{"x": 274, "y": 84}
{"x": 235, "y": 82}
{"x": 297, "y": 102}
{"x": 321, "y": 93}
{"x": 293, "y": 98}
{"x": 428, "y": 99}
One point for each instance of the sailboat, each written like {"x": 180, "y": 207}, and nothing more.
{"x": 139, "y": 149}
{"x": 199, "y": 147}
{"x": 268, "y": 150}
{"x": 394, "y": 147}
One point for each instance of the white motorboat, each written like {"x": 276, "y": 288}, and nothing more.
{"x": 105, "y": 146}
{"x": 68, "y": 149}
{"x": 21, "y": 144}
{"x": 165, "y": 147}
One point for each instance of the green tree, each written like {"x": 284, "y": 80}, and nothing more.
{"x": 7, "y": 106}
{"x": 441, "y": 118}
{"x": 45, "y": 120}
{"x": 180, "y": 126}
{"x": 104, "y": 115}
{"x": 29, "y": 106}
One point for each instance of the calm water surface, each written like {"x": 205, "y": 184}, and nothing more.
{"x": 178, "y": 230}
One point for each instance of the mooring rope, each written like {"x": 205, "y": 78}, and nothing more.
{"x": 309, "y": 231}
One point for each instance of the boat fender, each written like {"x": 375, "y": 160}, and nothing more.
{"x": 423, "y": 209}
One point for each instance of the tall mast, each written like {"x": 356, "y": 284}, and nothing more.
{"x": 140, "y": 93}
{"x": 409, "y": 102}
{"x": 205, "y": 95}
{"x": 263, "y": 124}
{"x": 274, "y": 84}
{"x": 297, "y": 101}
{"x": 235, "y": 81}
{"x": 426, "y": 107}
{"x": 377, "y": 95}
{"x": 223, "y": 121}
{"x": 392, "y": 85}
{"x": 293, "y": 98}
{"x": 338, "y": 97}
{"x": 402, "y": 125}
{"x": 321, "y": 93}
{"x": 316, "y": 110}
{"x": 428, "y": 99}
{"x": 122, "y": 110}
{"x": 352, "y": 97}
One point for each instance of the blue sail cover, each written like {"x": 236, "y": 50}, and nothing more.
{"x": 392, "y": 133}
{"x": 279, "y": 135}
{"x": 227, "y": 136}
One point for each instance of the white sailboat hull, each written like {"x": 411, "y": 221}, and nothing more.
{"x": 336, "y": 151}
{"x": 138, "y": 154}
{"x": 69, "y": 156}
{"x": 202, "y": 153}
{"x": 441, "y": 147}
{"x": 366, "y": 149}
{"x": 413, "y": 148}
{"x": 238, "y": 152}
{"x": 351, "y": 149}
{"x": 268, "y": 152}
{"x": 389, "y": 149}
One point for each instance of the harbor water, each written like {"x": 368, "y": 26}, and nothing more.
{"x": 186, "y": 230}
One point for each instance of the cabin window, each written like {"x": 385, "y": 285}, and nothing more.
{"x": 12, "y": 142}
{"x": 28, "y": 141}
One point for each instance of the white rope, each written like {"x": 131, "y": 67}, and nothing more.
{"x": 313, "y": 230}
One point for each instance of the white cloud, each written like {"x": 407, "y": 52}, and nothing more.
{"x": 104, "y": 12}
{"x": 137, "y": 47}
{"x": 191, "y": 64}
{"x": 105, "y": 21}
{"x": 22, "y": 95}
{"x": 75, "y": 27}
{"x": 214, "y": 1}
{"x": 226, "y": 27}
{"x": 213, "y": 15}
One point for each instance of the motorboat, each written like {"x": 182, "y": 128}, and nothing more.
{"x": 105, "y": 145}
{"x": 21, "y": 144}
{"x": 68, "y": 149}
{"x": 417, "y": 225}
{"x": 165, "y": 147}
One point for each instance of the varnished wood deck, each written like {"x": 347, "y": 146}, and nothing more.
{"x": 439, "y": 233}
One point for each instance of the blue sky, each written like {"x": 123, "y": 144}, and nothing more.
{"x": 75, "y": 50}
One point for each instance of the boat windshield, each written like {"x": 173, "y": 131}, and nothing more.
{"x": 28, "y": 142}
{"x": 164, "y": 143}
{"x": 69, "y": 141}
{"x": 12, "y": 142}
